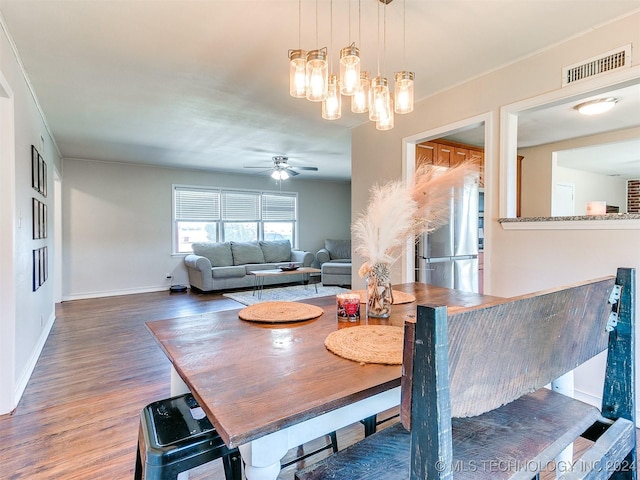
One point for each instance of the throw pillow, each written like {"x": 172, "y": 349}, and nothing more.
{"x": 276, "y": 251}
{"x": 246, "y": 252}
{"x": 219, "y": 254}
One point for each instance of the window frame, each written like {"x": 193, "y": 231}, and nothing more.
{"x": 220, "y": 222}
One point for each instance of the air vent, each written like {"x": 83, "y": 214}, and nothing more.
{"x": 607, "y": 62}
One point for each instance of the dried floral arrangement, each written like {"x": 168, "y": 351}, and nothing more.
{"x": 398, "y": 211}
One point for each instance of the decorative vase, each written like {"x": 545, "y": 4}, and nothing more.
{"x": 379, "y": 292}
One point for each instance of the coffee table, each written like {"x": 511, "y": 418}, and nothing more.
{"x": 260, "y": 275}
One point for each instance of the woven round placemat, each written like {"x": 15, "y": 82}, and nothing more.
{"x": 368, "y": 344}
{"x": 398, "y": 297}
{"x": 280, "y": 312}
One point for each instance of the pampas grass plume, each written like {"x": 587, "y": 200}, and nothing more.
{"x": 397, "y": 211}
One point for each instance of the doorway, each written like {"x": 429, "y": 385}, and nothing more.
{"x": 475, "y": 130}
{"x": 563, "y": 200}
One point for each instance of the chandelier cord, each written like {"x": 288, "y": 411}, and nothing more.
{"x": 349, "y": 21}
{"x": 331, "y": 37}
{"x": 404, "y": 34}
{"x": 317, "y": 42}
{"x": 359, "y": 25}
{"x": 378, "y": 39}
{"x": 299, "y": 24}
{"x": 384, "y": 39}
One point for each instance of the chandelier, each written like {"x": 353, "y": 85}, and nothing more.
{"x": 311, "y": 77}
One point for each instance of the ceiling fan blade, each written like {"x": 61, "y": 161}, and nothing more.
{"x": 256, "y": 166}
{"x": 313, "y": 169}
{"x": 291, "y": 172}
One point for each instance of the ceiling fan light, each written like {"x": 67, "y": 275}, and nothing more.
{"x": 316, "y": 75}
{"x": 360, "y": 98}
{"x": 332, "y": 105}
{"x": 349, "y": 70}
{"x": 404, "y": 92}
{"x": 297, "y": 73}
{"x": 596, "y": 107}
{"x": 379, "y": 105}
{"x": 279, "y": 174}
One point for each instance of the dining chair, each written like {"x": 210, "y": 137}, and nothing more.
{"x": 175, "y": 435}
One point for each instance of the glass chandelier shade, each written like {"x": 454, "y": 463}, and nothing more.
{"x": 404, "y": 92}
{"x": 360, "y": 98}
{"x": 317, "y": 75}
{"x": 349, "y": 69}
{"x": 297, "y": 73}
{"x": 387, "y": 122}
{"x": 380, "y": 99}
{"x": 332, "y": 105}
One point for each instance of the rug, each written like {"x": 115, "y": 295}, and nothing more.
{"x": 285, "y": 294}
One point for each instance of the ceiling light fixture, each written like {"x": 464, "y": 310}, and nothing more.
{"x": 596, "y": 107}
{"x": 404, "y": 79}
{"x": 332, "y": 104}
{"x": 349, "y": 66}
{"x": 371, "y": 95}
{"x": 380, "y": 99}
{"x": 387, "y": 122}
{"x": 297, "y": 64}
{"x": 316, "y": 70}
{"x": 279, "y": 174}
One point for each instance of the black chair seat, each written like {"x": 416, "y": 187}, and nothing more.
{"x": 176, "y": 436}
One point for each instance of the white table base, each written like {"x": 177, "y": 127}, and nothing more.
{"x": 262, "y": 456}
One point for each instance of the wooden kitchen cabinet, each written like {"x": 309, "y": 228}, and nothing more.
{"x": 445, "y": 153}
{"x": 425, "y": 153}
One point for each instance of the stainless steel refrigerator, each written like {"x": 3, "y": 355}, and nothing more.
{"x": 448, "y": 256}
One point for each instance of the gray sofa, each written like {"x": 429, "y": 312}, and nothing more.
{"x": 335, "y": 262}
{"x": 219, "y": 266}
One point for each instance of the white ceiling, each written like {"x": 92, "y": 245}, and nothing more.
{"x": 204, "y": 84}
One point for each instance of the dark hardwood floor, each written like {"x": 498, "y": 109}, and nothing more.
{"x": 78, "y": 418}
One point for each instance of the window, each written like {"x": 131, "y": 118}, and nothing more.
{"x": 216, "y": 215}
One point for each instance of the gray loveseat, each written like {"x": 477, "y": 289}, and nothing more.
{"x": 219, "y": 266}
{"x": 335, "y": 262}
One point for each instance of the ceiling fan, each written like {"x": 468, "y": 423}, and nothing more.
{"x": 281, "y": 170}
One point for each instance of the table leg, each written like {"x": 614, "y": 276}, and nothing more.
{"x": 262, "y": 456}
{"x": 260, "y": 286}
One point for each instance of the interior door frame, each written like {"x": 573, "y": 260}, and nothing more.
{"x": 488, "y": 120}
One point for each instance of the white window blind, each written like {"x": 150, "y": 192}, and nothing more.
{"x": 197, "y": 205}
{"x": 240, "y": 206}
{"x": 278, "y": 207}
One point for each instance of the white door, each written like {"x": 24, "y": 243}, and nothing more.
{"x": 562, "y": 202}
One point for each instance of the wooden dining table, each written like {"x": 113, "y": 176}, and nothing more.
{"x": 271, "y": 387}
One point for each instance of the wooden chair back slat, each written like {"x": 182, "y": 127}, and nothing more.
{"x": 499, "y": 353}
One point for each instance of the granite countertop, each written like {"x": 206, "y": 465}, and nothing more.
{"x": 609, "y": 216}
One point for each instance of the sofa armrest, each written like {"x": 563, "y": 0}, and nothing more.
{"x": 199, "y": 271}
{"x": 323, "y": 256}
{"x": 302, "y": 256}
{"x": 202, "y": 264}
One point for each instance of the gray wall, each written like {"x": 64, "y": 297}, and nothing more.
{"x": 25, "y": 316}
{"x": 117, "y": 222}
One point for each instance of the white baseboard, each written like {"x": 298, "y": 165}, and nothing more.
{"x": 23, "y": 380}
{"x": 114, "y": 293}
